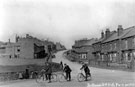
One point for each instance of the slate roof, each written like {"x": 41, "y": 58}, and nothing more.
{"x": 81, "y": 43}
{"x": 89, "y": 42}
{"x": 104, "y": 39}
{"x": 115, "y": 35}
{"x": 82, "y": 51}
{"x": 130, "y": 33}
{"x": 99, "y": 40}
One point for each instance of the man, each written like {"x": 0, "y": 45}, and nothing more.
{"x": 26, "y": 73}
{"x": 61, "y": 65}
{"x": 86, "y": 70}
{"x": 67, "y": 70}
{"x": 48, "y": 71}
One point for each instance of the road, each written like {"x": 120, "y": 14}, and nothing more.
{"x": 100, "y": 77}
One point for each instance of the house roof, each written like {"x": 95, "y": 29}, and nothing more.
{"x": 115, "y": 35}
{"x": 104, "y": 38}
{"x": 81, "y": 43}
{"x": 89, "y": 42}
{"x": 81, "y": 51}
{"x": 100, "y": 40}
{"x": 130, "y": 33}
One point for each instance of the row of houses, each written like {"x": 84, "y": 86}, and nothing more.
{"x": 27, "y": 47}
{"x": 113, "y": 47}
{"x": 116, "y": 46}
{"x": 82, "y": 50}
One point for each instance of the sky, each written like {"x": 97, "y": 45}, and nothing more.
{"x": 63, "y": 20}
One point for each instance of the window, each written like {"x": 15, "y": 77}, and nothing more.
{"x": 126, "y": 56}
{"x": 114, "y": 57}
{"x": 114, "y": 45}
{"x": 84, "y": 56}
{"x": 18, "y": 50}
{"x": 129, "y": 56}
{"x": 133, "y": 54}
{"x": 110, "y": 57}
{"x": 126, "y": 44}
{"x": 134, "y": 41}
{"x": 110, "y": 46}
{"x": 102, "y": 57}
{"x": 79, "y": 55}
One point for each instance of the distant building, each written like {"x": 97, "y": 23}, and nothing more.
{"x": 82, "y": 50}
{"x": 1, "y": 43}
{"x": 59, "y": 47}
{"x": 25, "y": 47}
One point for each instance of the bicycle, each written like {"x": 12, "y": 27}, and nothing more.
{"x": 81, "y": 77}
{"x": 62, "y": 77}
{"x": 40, "y": 77}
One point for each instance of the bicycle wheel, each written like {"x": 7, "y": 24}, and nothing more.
{"x": 54, "y": 77}
{"x": 89, "y": 77}
{"x": 80, "y": 77}
{"x": 40, "y": 78}
{"x": 62, "y": 78}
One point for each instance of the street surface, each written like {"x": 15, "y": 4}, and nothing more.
{"x": 100, "y": 77}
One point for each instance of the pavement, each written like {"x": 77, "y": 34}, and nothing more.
{"x": 100, "y": 77}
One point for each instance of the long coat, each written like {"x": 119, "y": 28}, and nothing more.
{"x": 49, "y": 69}
{"x": 67, "y": 69}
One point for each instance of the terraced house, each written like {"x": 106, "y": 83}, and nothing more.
{"x": 116, "y": 47}
{"x": 82, "y": 50}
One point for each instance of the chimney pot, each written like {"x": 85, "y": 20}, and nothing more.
{"x": 107, "y": 33}
{"x": 119, "y": 30}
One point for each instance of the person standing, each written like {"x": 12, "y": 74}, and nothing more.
{"x": 48, "y": 71}
{"x": 27, "y": 73}
{"x": 20, "y": 75}
{"x": 67, "y": 70}
{"x": 61, "y": 65}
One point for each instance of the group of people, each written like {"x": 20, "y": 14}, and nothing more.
{"x": 24, "y": 75}
{"x": 47, "y": 71}
{"x": 67, "y": 70}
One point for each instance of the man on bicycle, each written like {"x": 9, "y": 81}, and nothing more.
{"x": 67, "y": 70}
{"x": 86, "y": 70}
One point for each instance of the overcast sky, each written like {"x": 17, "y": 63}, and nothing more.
{"x": 63, "y": 20}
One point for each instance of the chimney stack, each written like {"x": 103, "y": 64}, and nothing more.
{"x": 119, "y": 30}
{"x": 107, "y": 33}
{"x": 102, "y": 34}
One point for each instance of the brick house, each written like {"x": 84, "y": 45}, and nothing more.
{"x": 118, "y": 47}
{"x": 128, "y": 47}
{"x": 82, "y": 50}
{"x": 100, "y": 47}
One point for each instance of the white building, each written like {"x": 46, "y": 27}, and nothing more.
{"x": 26, "y": 47}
